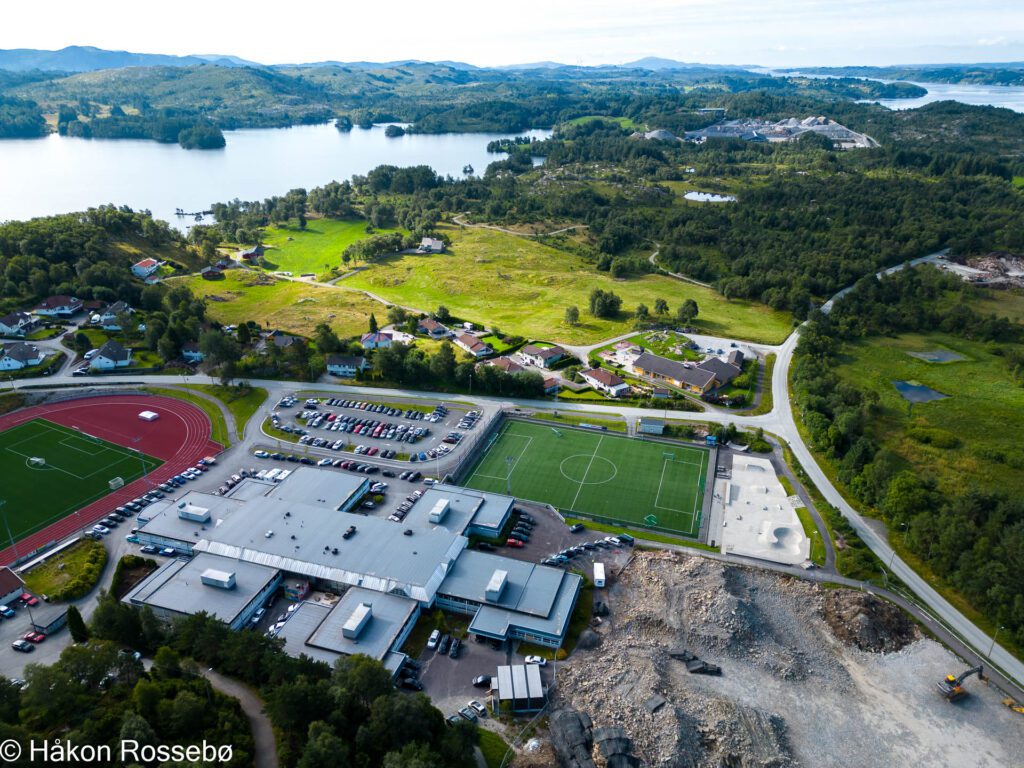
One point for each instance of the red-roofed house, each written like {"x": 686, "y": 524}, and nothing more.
{"x": 605, "y": 381}
{"x": 59, "y": 306}
{"x": 506, "y": 364}
{"x": 473, "y": 345}
{"x": 145, "y": 268}
{"x": 376, "y": 340}
{"x": 432, "y": 328}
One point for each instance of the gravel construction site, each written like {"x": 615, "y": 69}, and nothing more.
{"x": 810, "y": 676}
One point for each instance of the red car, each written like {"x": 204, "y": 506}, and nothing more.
{"x": 514, "y": 543}
{"x": 34, "y": 637}
{"x": 27, "y": 599}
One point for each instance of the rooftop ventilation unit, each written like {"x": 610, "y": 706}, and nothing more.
{"x": 357, "y": 622}
{"x": 194, "y": 513}
{"x": 496, "y": 585}
{"x": 220, "y": 579}
{"x": 439, "y": 511}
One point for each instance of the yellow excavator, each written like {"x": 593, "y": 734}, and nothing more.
{"x": 952, "y": 687}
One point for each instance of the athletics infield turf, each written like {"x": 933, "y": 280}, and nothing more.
{"x": 77, "y": 469}
{"x": 597, "y": 474}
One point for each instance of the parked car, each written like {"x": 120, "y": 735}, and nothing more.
{"x": 514, "y": 543}
{"x": 23, "y": 645}
{"x": 34, "y": 637}
{"x": 168, "y": 551}
{"x": 482, "y": 681}
{"x": 27, "y": 599}
{"x": 6, "y": 611}
{"x": 100, "y": 529}
{"x": 540, "y": 661}
{"x": 410, "y": 684}
{"x": 453, "y": 652}
{"x": 469, "y": 714}
{"x": 443, "y": 643}
{"x": 575, "y": 527}
{"x": 477, "y": 707}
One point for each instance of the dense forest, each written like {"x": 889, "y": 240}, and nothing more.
{"x": 323, "y": 718}
{"x": 973, "y": 74}
{"x": 20, "y": 119}
{"x": 973, "y": 538}
{"x": 435, "y": 98}
{"x": 189, "y": 130}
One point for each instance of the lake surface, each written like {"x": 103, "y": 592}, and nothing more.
{"x": 56, "y": 174}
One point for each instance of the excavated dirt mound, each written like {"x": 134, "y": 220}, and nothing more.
{"x": 863, "y": 621}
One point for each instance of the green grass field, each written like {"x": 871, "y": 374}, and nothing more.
{"x": 296, "y": 307}
{"x": 77, "y": 471}
{"x": 523, "y": 287}
{"x": 981, "y": 419}
{"x": 598, "y": 473}
{"x": 316, "y": 248}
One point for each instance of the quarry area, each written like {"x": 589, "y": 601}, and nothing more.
{"x": 809, "y": 676}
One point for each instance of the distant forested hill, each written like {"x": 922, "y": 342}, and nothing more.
{"x": 1010, "y": 73}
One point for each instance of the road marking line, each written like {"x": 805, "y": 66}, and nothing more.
{"x": 587, "y": 471}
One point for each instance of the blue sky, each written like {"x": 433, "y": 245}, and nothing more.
{"x": 483, "y": 32}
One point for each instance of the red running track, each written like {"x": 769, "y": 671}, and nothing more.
{"x": 180, "y": 437}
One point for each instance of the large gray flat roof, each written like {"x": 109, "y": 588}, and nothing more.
{"x": 466, "y": 507}
{"x": 176, "y": 586}
{"x": 306, "y": 528}
{"x": 315, "y": 629}
{"x": 496, "y": 621}
{"x": 530, "y": 588}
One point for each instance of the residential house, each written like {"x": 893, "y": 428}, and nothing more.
{"x": 11, "y": 586}
{"x": 661, "y": 393}
{"x": 432, "y": 328}
{"x": 552, "y": 386}
{"x": 253, "y": 255}
{"x": 376, "y": 340}
{"x": 110, "y": 319}
{"x": 59, "y": 306}
{"x": 276, "y": 338}
{"x": 691, "y": 379}
{"x": 111, "y": 355}
{"x": 605, "y": 381}
{"x": 430, "y": 245}
{"x": 345, "y": 365}
{"x": 16, "y": 324}
{"x": 473, "y": 345}
{"x": 542, "y": 357}
{"x": 506, "y": 364}
{"x": 211, "y": 273}
{"x": 145, "y": 268}
{"x": 191, "y": 353}
{"x": 14, "y": 357}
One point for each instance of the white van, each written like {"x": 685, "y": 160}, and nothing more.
{"x": 599, "y": 575}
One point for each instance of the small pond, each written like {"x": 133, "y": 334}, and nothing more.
{"x": 938, "y": 356}
{"x": 916, "y": 392}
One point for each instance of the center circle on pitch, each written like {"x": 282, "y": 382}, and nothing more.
{"x": 575, "y": 468}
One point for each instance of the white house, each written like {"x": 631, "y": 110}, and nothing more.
{"x": 11, "y": 586}
{"x": 375, "y": 340}
{"x": 191, "y": 353}
{"x": 111, "y": 355}
{"x": 16, "y": 323}
{"x": 145, "y": 268}
{"x": 473, "y": 345}
{"x": 432, "y": 328}
{"x": 345, "y": 365}
{"x": 59, "y": 306}
{"x": 430, "y": 245}
{"x": 110, "y": 317}
{"x": 542, "y": 357}
{"x": 14, "y": 357}
{"x": 605, "y": 381}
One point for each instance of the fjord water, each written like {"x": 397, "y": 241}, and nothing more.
{"x": 55, "y": 174}
{"x": 1009, "y": 96}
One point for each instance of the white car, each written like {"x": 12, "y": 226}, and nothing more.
{"x": 434, "y": 637}
{"x": 477, "y": 707}
{"x": 540, "y": 661}
{"x": 102, "y": 529}
{"x": 261, "y": 454}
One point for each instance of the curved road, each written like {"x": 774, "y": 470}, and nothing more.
{"x": 779, "y": 421}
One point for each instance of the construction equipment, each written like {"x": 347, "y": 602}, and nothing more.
{"x": 952, "y": 687}
{"x": 1013, "y": 705}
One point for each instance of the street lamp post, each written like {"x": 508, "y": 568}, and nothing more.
{"x": 993, "y": 646}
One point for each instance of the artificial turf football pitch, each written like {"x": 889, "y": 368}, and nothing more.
{"x": 77, "y": 470}
{"x": 603, "y": 475}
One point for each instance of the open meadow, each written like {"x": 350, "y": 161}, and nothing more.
{"x": 981, "y": 418}
{"x": 523, "y": 287}
{"x": 293, "y": 306}
{"x": 316, "y": 248}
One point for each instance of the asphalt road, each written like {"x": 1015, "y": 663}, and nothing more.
{"x": 779, "y": 421}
